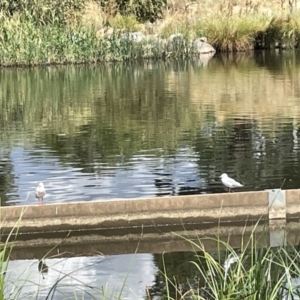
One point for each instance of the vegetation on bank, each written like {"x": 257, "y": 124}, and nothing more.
{"x": 75, "y": 31}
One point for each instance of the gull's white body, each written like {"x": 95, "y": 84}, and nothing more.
{"x": 40, "y": 192}
{"x": 229, "y": 182}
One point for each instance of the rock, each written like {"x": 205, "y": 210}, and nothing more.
{"x": 176, "y": 38}
{"x": 109, "y": 32}
{"x": 201, "y": 46}
{"x": 100, "y": 33}
{"x": 134, "y": 36}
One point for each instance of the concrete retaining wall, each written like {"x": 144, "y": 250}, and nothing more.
{"x": 156, "y": 239}
{"x": 213, "y": 208}
{"x": 137, "y": 240}
{"x": 120, "y": 226}
{"x": 229, "y": 207}
{"x": 292, "y": 203}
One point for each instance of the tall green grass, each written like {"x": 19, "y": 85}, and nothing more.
{"x": 24, "y": 43}
{"x": 249, "y": 272}
{"x": 233, "y": 33}
{"x": 6, "y": 248}
{"x": 36, "y": 34}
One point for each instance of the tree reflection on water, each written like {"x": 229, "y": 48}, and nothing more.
{"x": 164, "y": 128}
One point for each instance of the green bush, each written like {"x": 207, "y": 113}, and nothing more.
{"x": 43, "y": 11}
{"x": 283, "y": 30}
{"x": 143, "y": 10}
{"x": 127, "y": 23}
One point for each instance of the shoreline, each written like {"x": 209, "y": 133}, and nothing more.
{"x": 180, "y": 30}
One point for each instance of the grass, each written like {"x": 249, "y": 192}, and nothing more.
{"x": 92, "y": 34}
{"x": 5, "y": 253}
{"x": 233, "y": 34}
{"x": 249, "y": 272}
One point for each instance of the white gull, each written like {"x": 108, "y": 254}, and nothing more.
{"x": 40, "y": 192}
{"x": 229, "y": 182}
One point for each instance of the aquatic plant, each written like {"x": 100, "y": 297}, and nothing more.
{"x": 248, "y": 272}
{"x": 6, "y": 248}
{"x": 234, "y": 33}
{"x": 283, "y": 31}
{"x": 42, "y": 33}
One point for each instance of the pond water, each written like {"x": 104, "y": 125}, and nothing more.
{"x": 137, "y": 276}
{"x": 150, "y": 128}
{"x": 139, "y": 130}
{"x": 126, "y": 277}
{"x": 82, "y": 278}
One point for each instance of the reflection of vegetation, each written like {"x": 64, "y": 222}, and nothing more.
{"x": 179, "y": 271}
{"x": 106, "y": 114}
{"x": 6, "y": 177}
{"x": 103, "y": 111}
{"x": 239, "y": 147}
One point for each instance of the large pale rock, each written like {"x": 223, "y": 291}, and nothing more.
{"x": 201, "y": 46}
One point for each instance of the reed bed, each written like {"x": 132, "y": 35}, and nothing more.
{"x": 89, "y": 31}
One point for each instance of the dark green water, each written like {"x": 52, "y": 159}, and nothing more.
{"x": 151, "y": 128}
{"x": 136, "y": 130}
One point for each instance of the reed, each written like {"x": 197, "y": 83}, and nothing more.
{"x": 235, "y": 33}
{"x": 39, "y": 34}
{"x": 249, "y": 272}
{"x": 283, "y": 29}
{"x": 6, "y": 248}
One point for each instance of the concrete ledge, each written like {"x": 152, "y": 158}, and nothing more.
{"x": 197, "y": 209}
{"x": 120, "y": 226}
{"x": 138, "y": 240}
{"x": 292, "y": 203}
{"x": 159, "y": 211}
{"x": 157, "y": 240}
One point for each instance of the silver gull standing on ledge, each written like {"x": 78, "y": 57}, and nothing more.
{"x": 229, "y": 182}
{"x": 40, "y": 192}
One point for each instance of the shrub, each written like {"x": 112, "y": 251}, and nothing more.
{"x": 233, "y": 33}
{"x": 143, "y": 10}
{"x": 43, "y": 11}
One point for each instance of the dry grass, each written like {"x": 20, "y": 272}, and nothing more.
{"x": 127, "y": 23}
{"x": 233, "y": 25}
{"x": 228, "y": 25}
{"x": 208, "y": 8}
{"x": 93, "y": 15}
